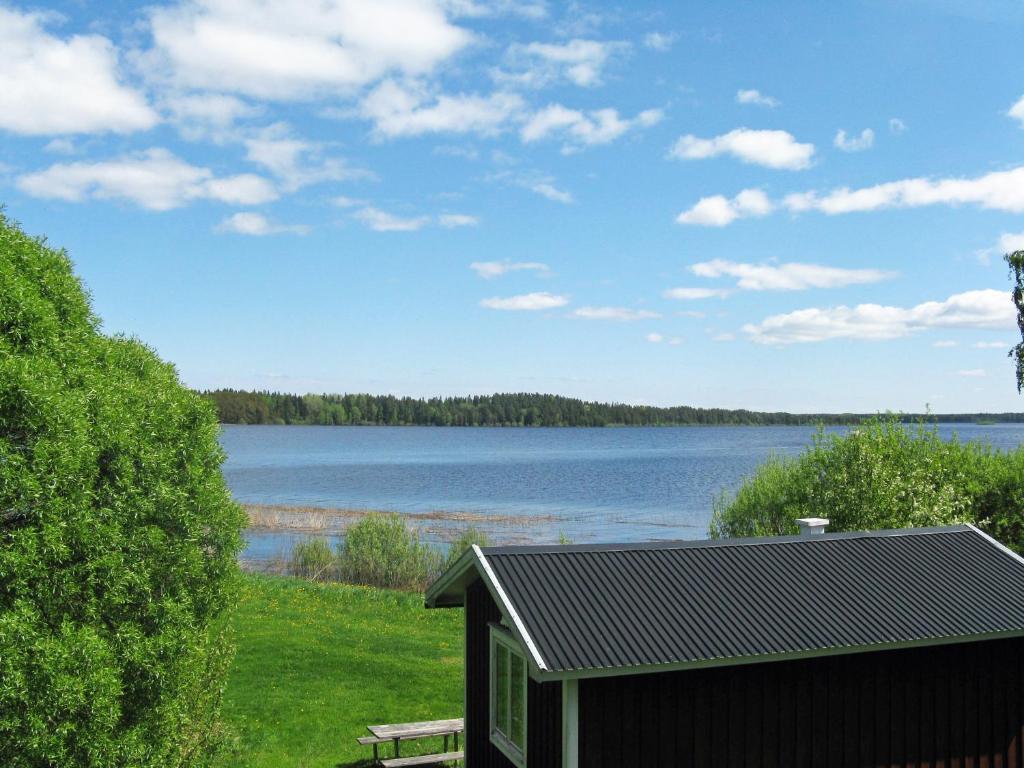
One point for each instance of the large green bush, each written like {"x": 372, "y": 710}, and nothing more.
{"x": 118, "y": 536}
{"x": 881, "y": 475}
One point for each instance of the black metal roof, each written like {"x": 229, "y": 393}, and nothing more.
{"x": 620, "y": 607}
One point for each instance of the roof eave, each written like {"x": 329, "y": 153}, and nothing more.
{"x": 737, "y": 661}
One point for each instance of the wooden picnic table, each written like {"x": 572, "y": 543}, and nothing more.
{"x": 397, "y": 732}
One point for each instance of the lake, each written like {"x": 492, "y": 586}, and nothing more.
{"x": 626, "y": 484}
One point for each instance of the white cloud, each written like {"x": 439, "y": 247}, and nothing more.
{"x": 973, "y": 373}
{"x": 456, "y": 220}
{"x": 551, "y": 192}
{"x": 296, "y": 162}
{"x": 208, "y": 115}
{"x": 526, "y": 302}
{"x": 50, "y": 85}
{"x": 787, "y": 277}
{"x": 600, "y": 126}
{"x": 154, "y": 179}
{"x": 655, "y": 338}
{"x": 971, "y": 309}
{"x": 491, "y": 269}
{"x": 346, "y": 202}
{"x": 660, "y": 41}
{"x": 897, "y": 126}
{"x": 382, "y": 221}
{"x": 771, "y": 149}
{"x": 854, "y": 143}
{"x": 293, "y": 49}
{"x": 60, "y": 146}
{"x": 538, "y": 64}
{"x": 752, "y": 96}
{"x": 691, "y": 313}
{"x": 619, "y": 314}
{"x": 256, "y": 224}
{"x": 718, "y": 211}
{"x": 991, "y": 345}
{"x": 999, "y": 190}
{"x": 1017, "y": 110}
{"x": 944, "y": 344}
{"x": 476, "y": 9}
{"x": 410, "y": 109}
{"x": 691, "y": 294}
{"x": 724, "y": 336}
{"x": 1011, "y": 241}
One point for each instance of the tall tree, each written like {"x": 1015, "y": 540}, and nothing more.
{"x": 1015, "y": 261}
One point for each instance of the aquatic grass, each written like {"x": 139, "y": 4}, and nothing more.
{"x": 313, "y": 559}
{"x": 382, "y": 551}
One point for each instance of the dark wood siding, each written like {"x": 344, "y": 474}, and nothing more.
{"x": 948, "y": 707}
{"x": 544, "y": 704}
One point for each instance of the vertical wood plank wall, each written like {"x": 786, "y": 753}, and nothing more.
{"x": 958, "y": 706}
{"x": 544, "y": 702}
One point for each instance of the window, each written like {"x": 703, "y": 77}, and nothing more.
{"x": 508, "y": 697}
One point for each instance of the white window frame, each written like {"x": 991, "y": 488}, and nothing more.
{"x": 501, "y": 638}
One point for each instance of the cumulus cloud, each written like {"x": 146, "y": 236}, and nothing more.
{"x": 770, "y": 149}
{"x": 944, "y": 344}
{"x": 787, "y": 277}
{"x": 528, "y": 302}
{"x": 490, "y": 8}
{"x": 660, "y": 41}
{"x": 691, "y": 294}
{"x": 718, "y": 210}
{"x": 854, "y": 143}
{"x": 255, "y": 224}
{"x": 971, "y": 309}
{"x": 619, "y": 314}
{"x": 207, "y": 115}
{"x": 492, "y": 269}
{"x": 991, "y": 345}
{"x": 999, "y": 190}
{"x": 1010, "y": 242}
{"x": 973, "y": 373}
{"x": 548, "y": 190}
{"x": 1017, "y": 110}
{"x": 897, "y": 126}
{"x": 296, "y": 162}
{"x": 600, "y": 126}
{"x": 655, "y": 338}
{"x": 52, "y": 85}
{"x": 539, "y": 64}
{"x": 154, "y": 179}
{"x": 456, "y": 220}
{"x": 752, "y": 96}
{"x": 293, "y": 49}
{"x": 382, "y": 221}
{"x": 411, "y": 109}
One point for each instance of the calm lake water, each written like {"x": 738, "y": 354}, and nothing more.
{"x": 625, "y": 484}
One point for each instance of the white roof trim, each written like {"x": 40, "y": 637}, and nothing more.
{"x": 509, "y": 609}
{"x": 996, "y": 543}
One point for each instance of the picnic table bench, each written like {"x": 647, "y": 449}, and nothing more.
{"x": 397, "y": 732}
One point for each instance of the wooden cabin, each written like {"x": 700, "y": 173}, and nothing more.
{"x": 890, "y": 648}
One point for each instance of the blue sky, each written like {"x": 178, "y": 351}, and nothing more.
{"x": 797, "y": 206}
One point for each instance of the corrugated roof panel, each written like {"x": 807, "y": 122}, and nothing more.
{"x": 608, "y": 606}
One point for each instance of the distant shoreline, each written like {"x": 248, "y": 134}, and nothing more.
{"x": 524, "y": 409}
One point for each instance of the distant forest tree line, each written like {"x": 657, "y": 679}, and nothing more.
{"x": 511, "y": 410}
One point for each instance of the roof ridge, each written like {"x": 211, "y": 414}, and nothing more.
{"x": 739, "y": 541}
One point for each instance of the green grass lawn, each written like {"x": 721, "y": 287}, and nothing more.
{"x": 317, "y": 663}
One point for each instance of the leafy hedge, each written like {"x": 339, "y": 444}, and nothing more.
{"x": 881, "y": 475}
{"x": 118, "y": 536}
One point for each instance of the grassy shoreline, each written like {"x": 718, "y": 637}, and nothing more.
{"x": 317, "y": 663}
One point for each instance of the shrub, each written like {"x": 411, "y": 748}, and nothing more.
{"x": 469, "y": 537}
{"x": 380, "y": 551}
{"x": 118, "y": 537}
{"x": 880, "y": 475}
{"x": 313, "y": 559}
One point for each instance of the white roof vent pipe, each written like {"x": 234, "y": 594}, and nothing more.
{"x": 812, "y": 526}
